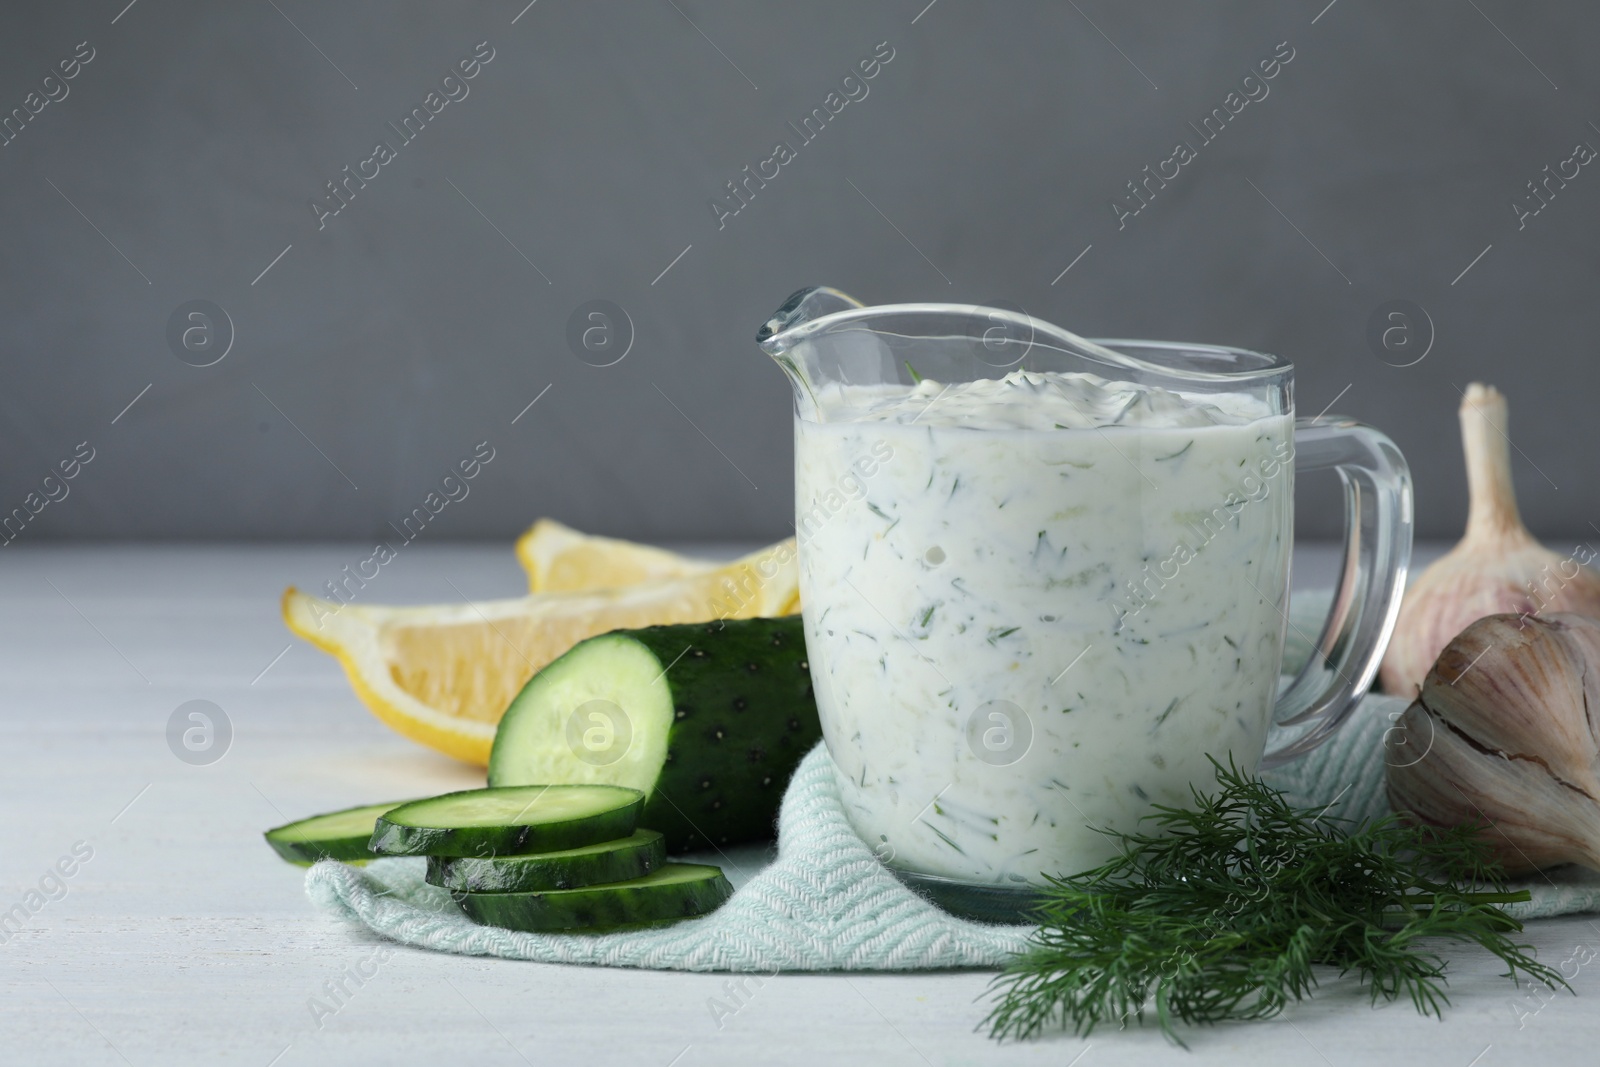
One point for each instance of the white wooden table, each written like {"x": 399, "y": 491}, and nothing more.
{"x": 185, "y": 940}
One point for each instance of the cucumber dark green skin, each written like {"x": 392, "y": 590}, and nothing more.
{"x": 305, "y": 842}
{"x": 676, "y": 891}
{"x": 744, "y": 713}
{"x": 614, "y": 861}
{"x": 397, "y": 832}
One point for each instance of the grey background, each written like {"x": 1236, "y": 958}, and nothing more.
{"x": 412, "y": 326}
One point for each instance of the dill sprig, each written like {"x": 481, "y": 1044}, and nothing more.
{"x": 1223, "y": 911}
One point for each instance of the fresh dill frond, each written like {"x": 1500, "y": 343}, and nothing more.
{"x": 1223, "y": 911}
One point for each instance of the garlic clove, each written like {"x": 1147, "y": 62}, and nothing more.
{"x": 1462, "y": 787}
{"x": 1518, "y": 685}
{"x": 1498, "y": 565}
{"x": 1503, "y": 734}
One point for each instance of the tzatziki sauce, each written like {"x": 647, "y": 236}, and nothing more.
{"x": 1035, "y": 605}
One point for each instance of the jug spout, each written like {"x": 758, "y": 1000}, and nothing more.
{"x": 803, "y": 306}
{"x": 809, "y": 359}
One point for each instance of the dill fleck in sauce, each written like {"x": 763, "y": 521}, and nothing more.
{"x": 1047, "y": 607}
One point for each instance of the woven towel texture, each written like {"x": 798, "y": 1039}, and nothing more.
{"x": 825, "y": 903}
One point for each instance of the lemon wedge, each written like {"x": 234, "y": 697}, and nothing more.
{"x": 443, "y": 675}
{"x": 560, "y": 559}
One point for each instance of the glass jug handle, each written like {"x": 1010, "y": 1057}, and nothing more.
{"x": 1377, "y": 552}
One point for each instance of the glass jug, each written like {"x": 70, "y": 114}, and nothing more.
{"x": 1043, "y": 578}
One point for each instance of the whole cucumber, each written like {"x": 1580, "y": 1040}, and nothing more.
{"x": 707, "y": 719}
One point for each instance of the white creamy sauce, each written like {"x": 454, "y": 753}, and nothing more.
{"x": 1034, "y": 605}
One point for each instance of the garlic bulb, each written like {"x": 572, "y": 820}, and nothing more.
{"x": 1503, "y": 734}
{"x": 1497, "y": 567}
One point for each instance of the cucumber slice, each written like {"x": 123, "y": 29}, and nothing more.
{"x": 338, "y": 835}
{"x": 709, "y": 720}
{"x": 676, "y": 891}
{"x": 508, "y": 822}
{"x": 609, "y": 861}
